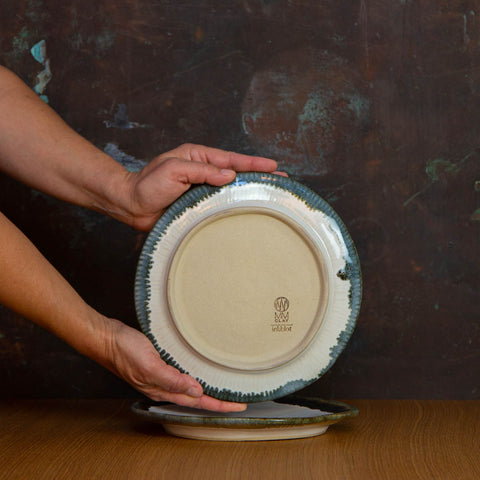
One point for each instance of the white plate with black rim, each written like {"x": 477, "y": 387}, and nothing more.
{"x": 253, "y": 288}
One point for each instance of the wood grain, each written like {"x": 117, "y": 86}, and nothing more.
{"x": 89, "y": 439}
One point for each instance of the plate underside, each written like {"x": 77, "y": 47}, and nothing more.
{"x": 238, "y": 280}
{"x": 252, "y": 288}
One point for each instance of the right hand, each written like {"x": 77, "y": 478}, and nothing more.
{"x": 132, "y": 357}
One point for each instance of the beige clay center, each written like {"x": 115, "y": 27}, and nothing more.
{"x": 248, "y": 290}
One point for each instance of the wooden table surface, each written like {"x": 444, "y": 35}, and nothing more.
{"x": 89, "y": 439}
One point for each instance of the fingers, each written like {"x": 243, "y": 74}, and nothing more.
{"x": 179, "y": 388}
{"x": 204, "y": 402}
{"x": 192, "y": 172}
{"x": 168, "y": 384}
{"x": 238, "y": 161}
{"x": 188, "y": 173}
{"x": 225, "y": 159}
{"x": 171, "y": 381}
{"x": 208, "y": 403}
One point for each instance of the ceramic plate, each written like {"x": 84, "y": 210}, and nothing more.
{"x": 252, "y": 288}
{"x": 290, "y": 418}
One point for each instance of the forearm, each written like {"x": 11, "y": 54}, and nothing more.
{"x": 38, "y": 148}
{"x": 42, "y": 151}
{"x": 32, "y": 287}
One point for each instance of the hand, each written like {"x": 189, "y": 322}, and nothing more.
{"x": 133, "y": 358}
{"x": 53, "y": 304}
{"x": 150, "y": 191}
{"x": 54, "y": 159}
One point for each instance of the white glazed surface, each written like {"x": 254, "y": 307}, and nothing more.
{"x": 324, "y": 232}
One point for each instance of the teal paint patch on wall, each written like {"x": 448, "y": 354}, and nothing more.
{"x": 302, "y": 107}
{"x": 39, "y": 52}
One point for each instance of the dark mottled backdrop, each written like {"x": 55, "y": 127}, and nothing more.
{"x": 374, "y": 104}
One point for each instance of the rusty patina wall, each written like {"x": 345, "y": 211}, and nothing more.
{"x": 374, "y": 104}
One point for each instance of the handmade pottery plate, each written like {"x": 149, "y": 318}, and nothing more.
{"x": 252, "y": 288}
{"x": 290, "y": 418}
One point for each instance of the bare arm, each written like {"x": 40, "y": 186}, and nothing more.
{"x": 39, "y": 149}
{"x": 32, "y": 287}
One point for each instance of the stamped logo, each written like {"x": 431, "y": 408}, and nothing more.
{"x": 281, "y": 304}
{"x": 282, "y": 315}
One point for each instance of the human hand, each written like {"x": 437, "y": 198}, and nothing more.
{"x": 58, "y": 161}
{"x": 150, "y": 191}
{"x": 132, "y": 357}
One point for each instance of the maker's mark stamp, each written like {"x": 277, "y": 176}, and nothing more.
{"x": 282, "y": 315}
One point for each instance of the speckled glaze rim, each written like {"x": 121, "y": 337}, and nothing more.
{"x": 337, "y": 411}
{"x": 350, "y": 273}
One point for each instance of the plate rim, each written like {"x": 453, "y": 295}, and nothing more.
{"x": 141, "y": 408}
{"x": 195, "y": 196}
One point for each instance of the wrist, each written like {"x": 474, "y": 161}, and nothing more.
{"x": 107, "y": 188}
{"x": 105, "y": 348}
{"x": 94, "y": 338}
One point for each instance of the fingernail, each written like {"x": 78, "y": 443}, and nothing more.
{"x": 227, "y": 173}
{"x": 194, "y": 392}
{"x": 240, "y": 407}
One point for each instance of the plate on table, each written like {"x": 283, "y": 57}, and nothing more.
{"x": 252, "y": 288}
{"x": 272, "y": 420}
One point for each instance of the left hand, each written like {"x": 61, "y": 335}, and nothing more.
{"x": 150, "y": 191}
